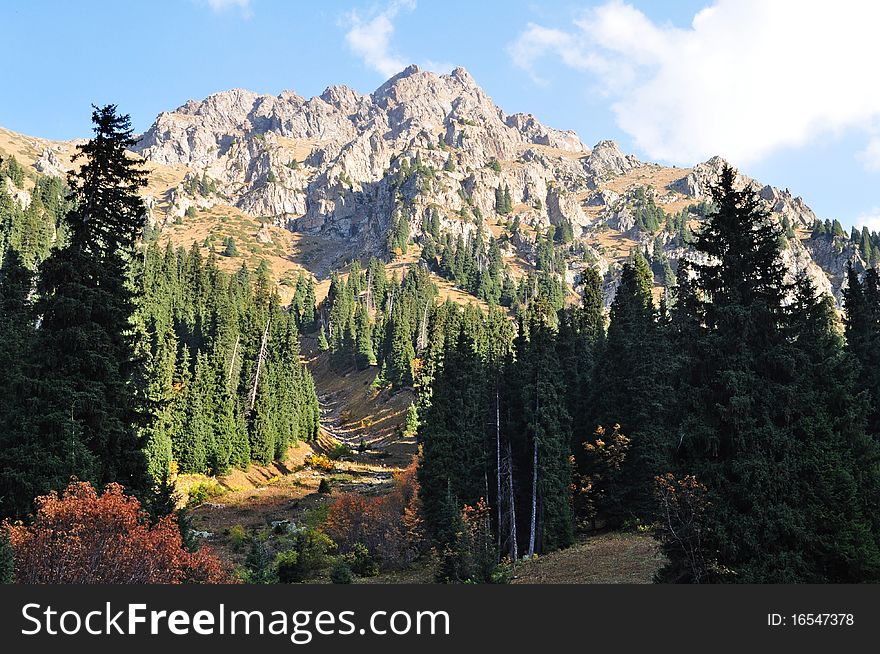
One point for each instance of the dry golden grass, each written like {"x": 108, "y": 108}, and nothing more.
{"x": 223, "y": 221}
{"x": 611, "y": 558}
{"x": 648, "y": 175}
{"x": 552, "y": 152}
{"x": 615, "y": 244}
{"x": 299, "y": 149}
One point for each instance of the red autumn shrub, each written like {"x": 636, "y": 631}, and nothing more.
{"x": 81, "y": 537}
{"x": 389, "y": 526}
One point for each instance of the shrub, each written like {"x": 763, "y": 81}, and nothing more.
{"x": 597, "y": 489}
{"x": 339, "y": 450}
{"x": 202, "y": 491}
{"x": 190, "y": 212}
{"x": 324, "y": 487}
{"x": 6, "y": 558}
{"x": 388, "y": 527}
{"x": 315, "y": 517}
{"x": 361, "y": 561}
{"x": 469, "y": 557}
{"x": 237, "y": 536}
{"x": 319, "y": 462}
{"x": 682, "y": 529}
{"x": 80, "y": 537}
{"x": 287, "y": 567}
{"x": 308, "y": 555}
{"x": 259, "y": 567}
{"x": 502, "y": 574}
{"x": 340, "y": 573}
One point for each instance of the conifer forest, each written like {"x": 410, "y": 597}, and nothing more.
{"x": 717, "y": 409}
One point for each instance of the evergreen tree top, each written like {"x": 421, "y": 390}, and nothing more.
{"x": 109, "y": 214}
{"x": 741, "y": 244}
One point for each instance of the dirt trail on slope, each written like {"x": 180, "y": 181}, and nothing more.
{"x": 352, "y": 413}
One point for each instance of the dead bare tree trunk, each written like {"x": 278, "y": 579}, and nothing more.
{"x": 534, "y": 500}
{"x": 234, "y": 355}
{"x": 514, "y": 548}
{"x": 498, "y": 461}
{"x": 260, "y": 357}
{"x": 422, "y": 340}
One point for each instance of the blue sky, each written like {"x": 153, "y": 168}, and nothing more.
{"x": 786, "y": 90}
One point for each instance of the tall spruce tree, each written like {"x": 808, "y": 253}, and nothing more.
{"x": 772, "y": 442}
{"x": 861, "y": 299}
{"x": 452, "y": 469}
{"x": 88, "y": 383}
{"x": 364, "y": 356}
{"x": 545, "y": 424}
{"x": 629, "y": 391}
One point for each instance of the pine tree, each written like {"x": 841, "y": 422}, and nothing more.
{"x": 581, "y": 340}
{"x": 30, "y": 464}
{"x": 323, "y": 345}
{"x": 196, "y": 430}
{"x": 401, "y": 355}
{"x": 862, "y": 304}
{"x": 364, "y": 356}
{"x": 629, "y": 391}
{"x": 160, "y": 392}
{"x": 89, "y": 379}
{"x": 773, "y": 424}
{"x": 411, "y": 426}
{"x": 452, "y": 467}
{"x": 262, "y": 435}
{"x": 546, "y": 424}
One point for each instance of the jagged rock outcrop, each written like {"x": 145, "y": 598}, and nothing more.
{"x": 343, "y": 163}
{"x": 696, "y": 184}
{"x": 49, "y": 164}
{"x": 606, "y": 160}
{"x": 329, "y": 164}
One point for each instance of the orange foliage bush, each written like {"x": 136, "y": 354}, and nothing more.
{"x": 389, "y": 526}
{"x": 82, "y": 537}
{"x": 319, "y": 462}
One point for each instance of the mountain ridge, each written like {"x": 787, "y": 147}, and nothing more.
{"x": 338, "y": 167}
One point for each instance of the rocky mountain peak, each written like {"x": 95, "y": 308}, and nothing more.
{"x": 607, "y": 160}
{"x": 341, "y": 96}
{"x": 463, "y": 77}
{"x": 343, "y": 164}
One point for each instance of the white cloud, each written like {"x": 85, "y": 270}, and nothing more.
{"x": 870, "y": 156}
{"x": 370, "y": 39}
{"x": 536, "y": 42}
{"x": 871, "y": 219}
{"x": 220, "y": 6}
{"x": 746, "y": 79}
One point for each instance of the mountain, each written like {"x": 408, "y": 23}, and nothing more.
{"x": 319, "y": 181}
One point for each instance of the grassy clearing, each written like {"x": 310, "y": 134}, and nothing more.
{"x": 610, "y": 558}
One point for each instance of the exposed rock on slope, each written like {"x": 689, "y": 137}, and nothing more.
{"x": 342, "y": 167}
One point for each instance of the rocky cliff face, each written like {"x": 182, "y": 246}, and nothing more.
{"x": 329, "y": 164}
{"x": 343, "y": 165}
